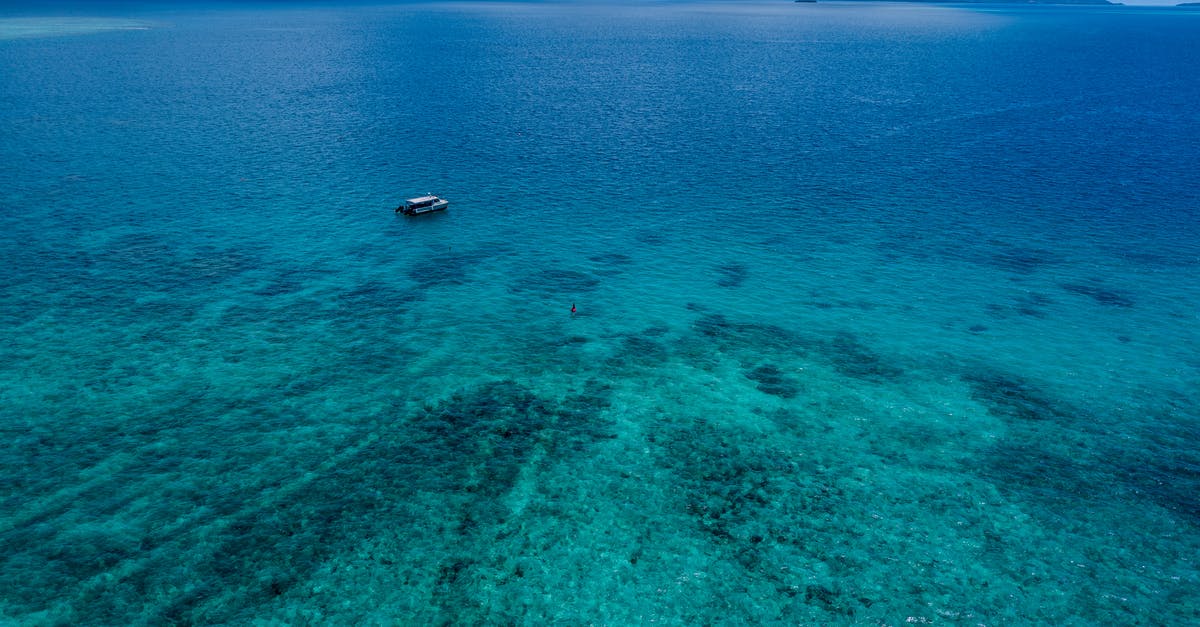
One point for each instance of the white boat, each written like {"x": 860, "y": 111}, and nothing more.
{"x": 424, "y": 204}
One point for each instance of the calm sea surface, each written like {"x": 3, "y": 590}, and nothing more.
{"x": 885, "y": 314}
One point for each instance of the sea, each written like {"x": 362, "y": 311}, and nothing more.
{"x": 741, "y": 313}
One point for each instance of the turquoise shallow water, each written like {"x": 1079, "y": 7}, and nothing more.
{"x": 886, "y": 314}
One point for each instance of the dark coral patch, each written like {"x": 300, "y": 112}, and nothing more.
{"x": 826, "y": 599}
{"x": 444, "y": 269}
{"x": 164, "y": 266}
{"x": 657, "y": 330}
{"x": 1028, "y": 304}
{"x": 651, "y": 238}
{"x": 726, "y": 480}
{"x": 1156, "y": 462}
{"x": 282, "y": 284}
{"x": 1009, "y": 396}
{"x": 373, "y": 297}
{"x": 609, "y": 264}
{"x": 757, "y": 336}
{"x": 611, "y": 259}
{"x": 1037, "y": 472}
{"x": 453, "y": 267}
{"x": 638, "y": 350}
{"x": 754, "y": 505}
{"x": 1102, "y": 295}
{"x": 1023, "y": 260}
{"x": 853, "y": 358}
{"x": 570, "y": 340}
{"x": 260, "y": 540}
{"x": 773, "y": 381}
{"x": 556, "y": 281}
{"x": 732, "y": 274}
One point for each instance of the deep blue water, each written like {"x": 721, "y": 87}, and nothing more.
{"x": 886, "y": 314}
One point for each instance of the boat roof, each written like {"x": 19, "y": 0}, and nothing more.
{"x": 423, "y": 199}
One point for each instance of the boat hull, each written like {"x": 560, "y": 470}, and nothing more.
{"x": 416, "y": 211}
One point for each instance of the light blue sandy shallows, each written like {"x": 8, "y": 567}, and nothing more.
{"x": 885, "y": 314}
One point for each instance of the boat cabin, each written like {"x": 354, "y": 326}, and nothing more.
{"x": 424, "y": 204}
